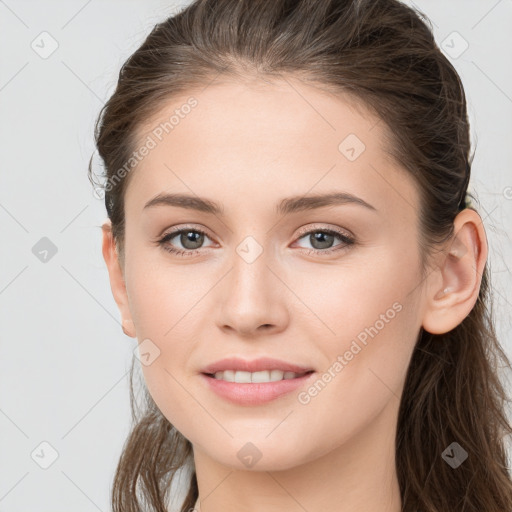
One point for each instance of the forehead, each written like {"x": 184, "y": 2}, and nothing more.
{"x": 256, "y": 140}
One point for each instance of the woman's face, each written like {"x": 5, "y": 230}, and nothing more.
{"x": 274, "y": 275}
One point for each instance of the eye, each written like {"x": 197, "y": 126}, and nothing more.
{"x": 190, "y": 238}
{"x": 322, "y": 239}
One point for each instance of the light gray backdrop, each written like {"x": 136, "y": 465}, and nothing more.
{"x": 64, "y": 360}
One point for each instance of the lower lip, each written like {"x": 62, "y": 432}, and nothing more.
{"x": 255, "y": 394}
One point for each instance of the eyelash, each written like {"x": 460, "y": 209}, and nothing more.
{"x": 347, "y": 241}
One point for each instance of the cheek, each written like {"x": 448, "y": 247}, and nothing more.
{"x": 165, "y": 297}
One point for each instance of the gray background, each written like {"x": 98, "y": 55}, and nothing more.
{"x": 64, "y": 359}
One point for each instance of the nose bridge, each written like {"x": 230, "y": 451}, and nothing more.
{"x": 251, "y": 296}
{"x": 250, "y": 271}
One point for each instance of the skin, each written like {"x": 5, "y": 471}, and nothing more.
{"x": 248, "y": 145}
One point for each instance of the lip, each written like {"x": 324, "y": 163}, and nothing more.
{"x": 256, "y": 365}
{"x": 255, "y": 394}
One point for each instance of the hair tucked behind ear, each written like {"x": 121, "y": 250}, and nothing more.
{"x": 383, "y": 55}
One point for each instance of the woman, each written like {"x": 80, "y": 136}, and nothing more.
{"x": 290, "y": 240}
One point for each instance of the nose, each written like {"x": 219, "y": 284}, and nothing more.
{"x": 252, "y": 299}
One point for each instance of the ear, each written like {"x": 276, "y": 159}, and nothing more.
{"x": 116, "y": 277}
{"x": 455, "y": 283}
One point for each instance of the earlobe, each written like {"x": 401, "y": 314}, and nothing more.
{"x": 117, "y": 282}
{"x": 454, "y": 285}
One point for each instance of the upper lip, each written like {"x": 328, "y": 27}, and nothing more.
{"x": 255, "y": 365}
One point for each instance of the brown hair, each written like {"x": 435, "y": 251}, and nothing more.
{"x": 383, "y": 54}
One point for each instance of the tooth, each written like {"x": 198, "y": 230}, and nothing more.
{"x": 276, "y": 375}
{"x": 263, "y": 376}
{"x": 243, "y": 377}
{"x": 289, "y": 375}
{"x": 228, "y": 375}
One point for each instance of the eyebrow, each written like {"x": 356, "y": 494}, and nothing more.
{"x": 284, "y": 207}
